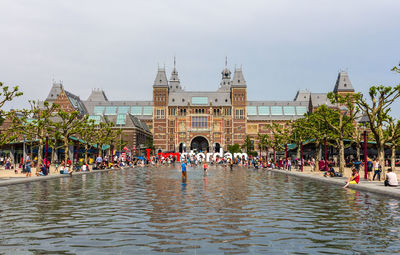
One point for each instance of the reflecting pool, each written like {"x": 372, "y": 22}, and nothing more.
{"x": 149, "y": 211}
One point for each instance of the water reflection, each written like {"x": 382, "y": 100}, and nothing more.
{"x": 232, "y": 212}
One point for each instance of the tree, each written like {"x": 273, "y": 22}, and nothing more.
{"x": 35, "y": 124}
{"x": 149, "y": 143}
{"x": 357, "y": 137}
{"x": 313, "y": 127}
{"x": 279, "y": 136}
{"x": 65, "y": 125}
{"x": 235, "y": 148}
{"x": 6, "y": 95}
{"x": 378, "y": 110}
{"x": 339, "y": 120}
{"x": 263, "y": 143}
{"x": 299, "y": 134}
{"x": 392, "y": 133}
{"x": 87, "y": 134}
{"x": 248, "y": 144}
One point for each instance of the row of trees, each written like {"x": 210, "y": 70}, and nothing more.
{"x": 341, "y": 122}
{"x": 48, "y": 122}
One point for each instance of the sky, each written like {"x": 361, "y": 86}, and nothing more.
{"x": 282, "y": 45}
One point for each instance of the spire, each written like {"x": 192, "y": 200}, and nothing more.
{"x": 174, "y": 83}
{"x": 238, "y": 78}
{"x": 225, "y": 84}
{"x": 161, "y": 78}
{"x": 54, "y": 91}
{"x": 343, "y": 83}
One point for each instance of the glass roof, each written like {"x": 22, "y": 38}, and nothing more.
{"x": 147, "y": 110}
{"x": 301, "y": 110}
{"x": 98, "y": 110}
{"x": 200, "y": 100}
{"x": 276, "y": 110}
{"x": 111, "y": 110}
{"x": 136, "y": 110}
{"x": 123, "y": 109}
{"x": 121, "y": 119}
{"x": 263, "y": 110}
{"x": 251, "y": 110}
{"x": 289, "y": 110}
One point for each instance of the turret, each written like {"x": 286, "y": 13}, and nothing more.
{"x": 343, "y": 84}
{"x": 225, "y": 84}
{"x": 174, "y": 83}
{"x": 238, "y": 78}
{"x": 161, "y": 78}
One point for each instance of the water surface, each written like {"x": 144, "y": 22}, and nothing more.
{"x": 149, "y": 211}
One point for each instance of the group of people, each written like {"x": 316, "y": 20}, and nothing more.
{"x": 390, "y": 176}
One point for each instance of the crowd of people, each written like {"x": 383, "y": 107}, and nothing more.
{"x": 374, "y": 169}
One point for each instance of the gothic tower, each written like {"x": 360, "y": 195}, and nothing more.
{"x": 239, "y": 102}
{"x": 160, "y": 108}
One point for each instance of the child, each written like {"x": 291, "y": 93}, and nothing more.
{"x": 205, "y": 167}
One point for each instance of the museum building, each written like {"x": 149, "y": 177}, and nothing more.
{"x": 181, "y": 120}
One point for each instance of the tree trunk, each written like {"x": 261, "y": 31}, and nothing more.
{"x": 66, "y": 149}
{"x": 53, "y": 150}
{"x": 86, "y": 152}
{"x": 341, "y": 155}
{"x": 40, "y": 151}
{"x": 358, "y": 148}
{"x": 318, "y": 151}
{"x": 298, "y": 151}
{"x": 381, "y": 156}
{"x": 393, "y": 159}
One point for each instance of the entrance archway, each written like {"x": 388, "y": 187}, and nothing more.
{"x": 182, "y": 147}
{"x": 217, "y": 147}
{"x": 199, "y": 144}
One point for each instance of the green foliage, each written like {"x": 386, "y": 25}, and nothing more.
{"x": 35, "y": 123}
{"x": 377, "y": 107}
{"x": 248, "y": 144}
{"x": 235, "y": 148}
{"x": 6, "y": 95}
{"x": 252, "y": 153}
{"x": 149, "y": 143}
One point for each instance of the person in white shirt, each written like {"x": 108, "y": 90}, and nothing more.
{"x": 391, "y": 178}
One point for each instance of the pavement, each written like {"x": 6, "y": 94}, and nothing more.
{"x": 376, "y": 187}
{"x": 18, "y": 180}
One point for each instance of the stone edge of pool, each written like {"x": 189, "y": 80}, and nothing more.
{"x": 377, "y": 188}
{"x": 48, "y": 177}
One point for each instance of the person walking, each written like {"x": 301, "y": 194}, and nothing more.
{"x": 378, "y": 170}
{"x": 28, "y": 164}
{"x": 184, "y": 172}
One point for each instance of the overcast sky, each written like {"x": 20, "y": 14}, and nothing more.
{"x": 283, "y": 45}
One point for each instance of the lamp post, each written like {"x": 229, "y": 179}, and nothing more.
{"x": 326, "y": 155}
{"x": 77, "y": 151}
{"x": 286, "y": 152}
{"x": 47, "y": 148}
{"x": 301, "y": 156}
{"x": 364, "y": 121}
{"x": 365, "y": 156}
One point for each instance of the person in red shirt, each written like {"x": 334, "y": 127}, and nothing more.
{"x": 353, "y": 179}
{"x": 205, "y": 167}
